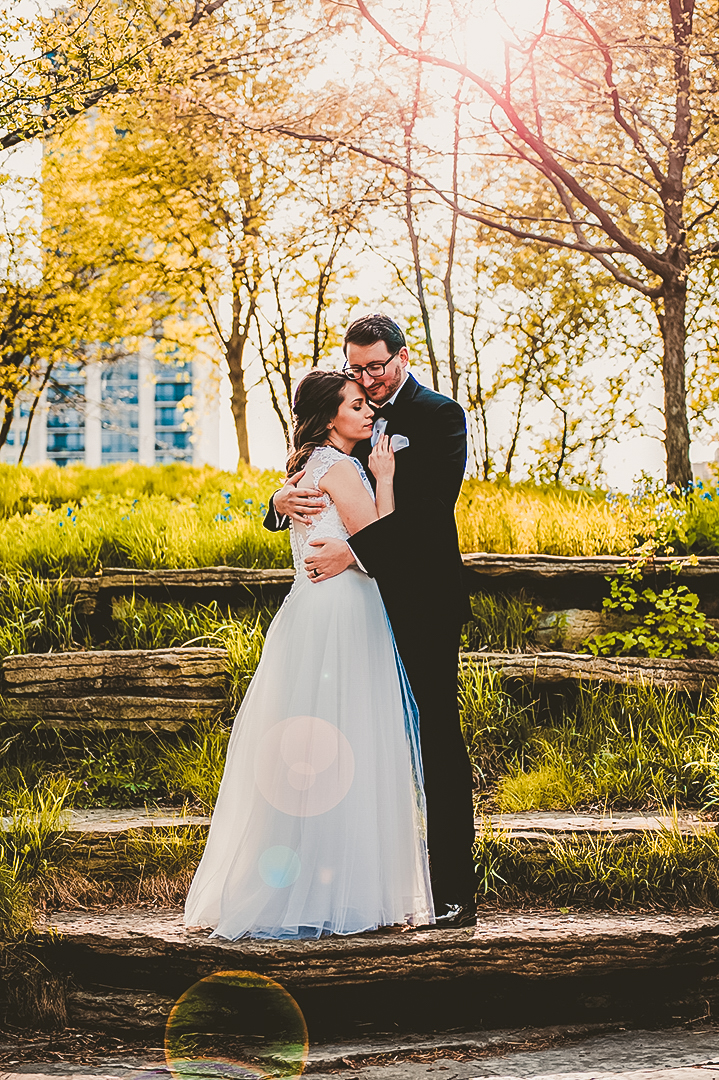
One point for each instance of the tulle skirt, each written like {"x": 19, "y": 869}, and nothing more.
{"x": 320, "y": 823}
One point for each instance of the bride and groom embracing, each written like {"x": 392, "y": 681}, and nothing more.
{"x": 346, "y": 802}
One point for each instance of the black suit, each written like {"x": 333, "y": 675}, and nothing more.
{"x": 414, "y": 556}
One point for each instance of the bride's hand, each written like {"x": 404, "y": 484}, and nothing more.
{"x": 381, "y": 460}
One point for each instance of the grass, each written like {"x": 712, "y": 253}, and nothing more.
{"x": 145, "y": 624}
{"x": 551, "y": 520}
{"x": 140, "y": 517}
{"x": 602, "y": 746}
{"x": 22, "y": 488}
{"x": 613, "y": 746}
{"x": 663, "y": 870}
{"x": 35, "y": 615}
{"x": 40, "y": 865}
{"x": 111, "y": 768}
{"x": 501, "y": 623}
{"x": 32, "y": 839}
{"x": 193, "y": 768}
{"x": 76, "y": 520}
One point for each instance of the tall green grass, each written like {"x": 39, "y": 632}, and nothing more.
{"x": 35, "y": 615}
{"x": 144, "y": 624}
{"x": 31, "y": 841}
{"x": 75, "y": 520}
{"x": 22, "y": 488}
{"x": 523, "y": 518}
{"x": 110, "y": 768}
{"x": 602, "y": 745}
{"x": 503, "y": 623}
{"x": 192, "y": 767}
{"x": 551, "y": 520}
{"x": 147, "y": 532}
{"x": 663, "y": 870}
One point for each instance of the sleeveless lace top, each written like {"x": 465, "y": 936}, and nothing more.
{"x": 328, "y": 523}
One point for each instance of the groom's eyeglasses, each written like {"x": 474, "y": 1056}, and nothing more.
{"x": 374, "y": 370}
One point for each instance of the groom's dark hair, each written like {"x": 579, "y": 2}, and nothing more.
{"x": 371, "y": 328}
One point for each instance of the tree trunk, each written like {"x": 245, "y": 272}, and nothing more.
{"x": 8, "y": 415}
{"x": 239, "y": 398}
{"x": 234, "y": 353}
{"x": 673, "y": 326}
{"x": 33, "y": 410}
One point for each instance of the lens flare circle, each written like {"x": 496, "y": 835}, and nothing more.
{"x": 279, "y": 866}
{"x": 236, "y": 1025}
{"x": 304, "y": 766}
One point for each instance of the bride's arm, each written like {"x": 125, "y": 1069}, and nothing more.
{"x": 355, "y": 504}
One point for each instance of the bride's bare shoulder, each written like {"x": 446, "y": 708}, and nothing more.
{"x": 341, "y": 471}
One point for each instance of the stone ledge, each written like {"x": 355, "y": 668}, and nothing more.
{"x": 551, "y": 668}
{"x": 124, "y": 968}
{"x": 106, "y": 822}
{"x": 540, "y": 945}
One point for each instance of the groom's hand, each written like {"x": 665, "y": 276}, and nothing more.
{"x": 329, "y": 558}
{"x": 298, "y": 503}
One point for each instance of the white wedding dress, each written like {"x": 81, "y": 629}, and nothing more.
{"x": 319, "y": 825}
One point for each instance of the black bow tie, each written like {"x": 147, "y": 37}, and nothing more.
{"x": 383, "y": 410}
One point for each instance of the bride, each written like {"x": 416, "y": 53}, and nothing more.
{"x": 319, "y": 825}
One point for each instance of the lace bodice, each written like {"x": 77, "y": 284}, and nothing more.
{"x": 328, "y": 523}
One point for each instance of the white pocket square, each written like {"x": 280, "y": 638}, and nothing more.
{"x": 399, "y": 442}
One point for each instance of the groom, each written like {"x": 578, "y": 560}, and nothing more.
{"x": 414, "y": 556}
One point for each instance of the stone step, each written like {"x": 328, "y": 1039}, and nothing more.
{"x": 557, "y": 580}
{"x": 541, "y": 823}
{"x": 104, "y": 712}
{"x": 173, "y": 673}
{"x": 100, "y": 823}
{"x": 125, "y": 969}
{"x": 554, "y": 668}
{"x": 126, "y": 689}
{"x": 623, "y": 824}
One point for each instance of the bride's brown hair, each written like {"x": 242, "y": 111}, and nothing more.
{"x": 317, "y": 399}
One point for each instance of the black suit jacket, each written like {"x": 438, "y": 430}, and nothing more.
{"x": 414, "y": 552}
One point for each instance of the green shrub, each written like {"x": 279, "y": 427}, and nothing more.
{"x": 653, "y": 623}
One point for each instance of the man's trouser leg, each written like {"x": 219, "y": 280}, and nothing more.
{"x": 431, "y": 661}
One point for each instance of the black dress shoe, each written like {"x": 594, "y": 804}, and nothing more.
{"x": 453, "y": 917}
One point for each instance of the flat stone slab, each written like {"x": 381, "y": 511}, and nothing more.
{"x": 125, "y": 968}
{"x": 551, "y": 668}
{"x": 104, "y": 821}
{"x": 537, "y": 824}
{"x": 539, "y": 944}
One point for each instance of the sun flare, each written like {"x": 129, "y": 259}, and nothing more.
{"x": 490, "y": 25}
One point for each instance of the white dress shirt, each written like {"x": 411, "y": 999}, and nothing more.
{"x": 380, "y": 424}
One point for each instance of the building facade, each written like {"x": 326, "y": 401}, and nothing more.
{"x": 137, "y": 409}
